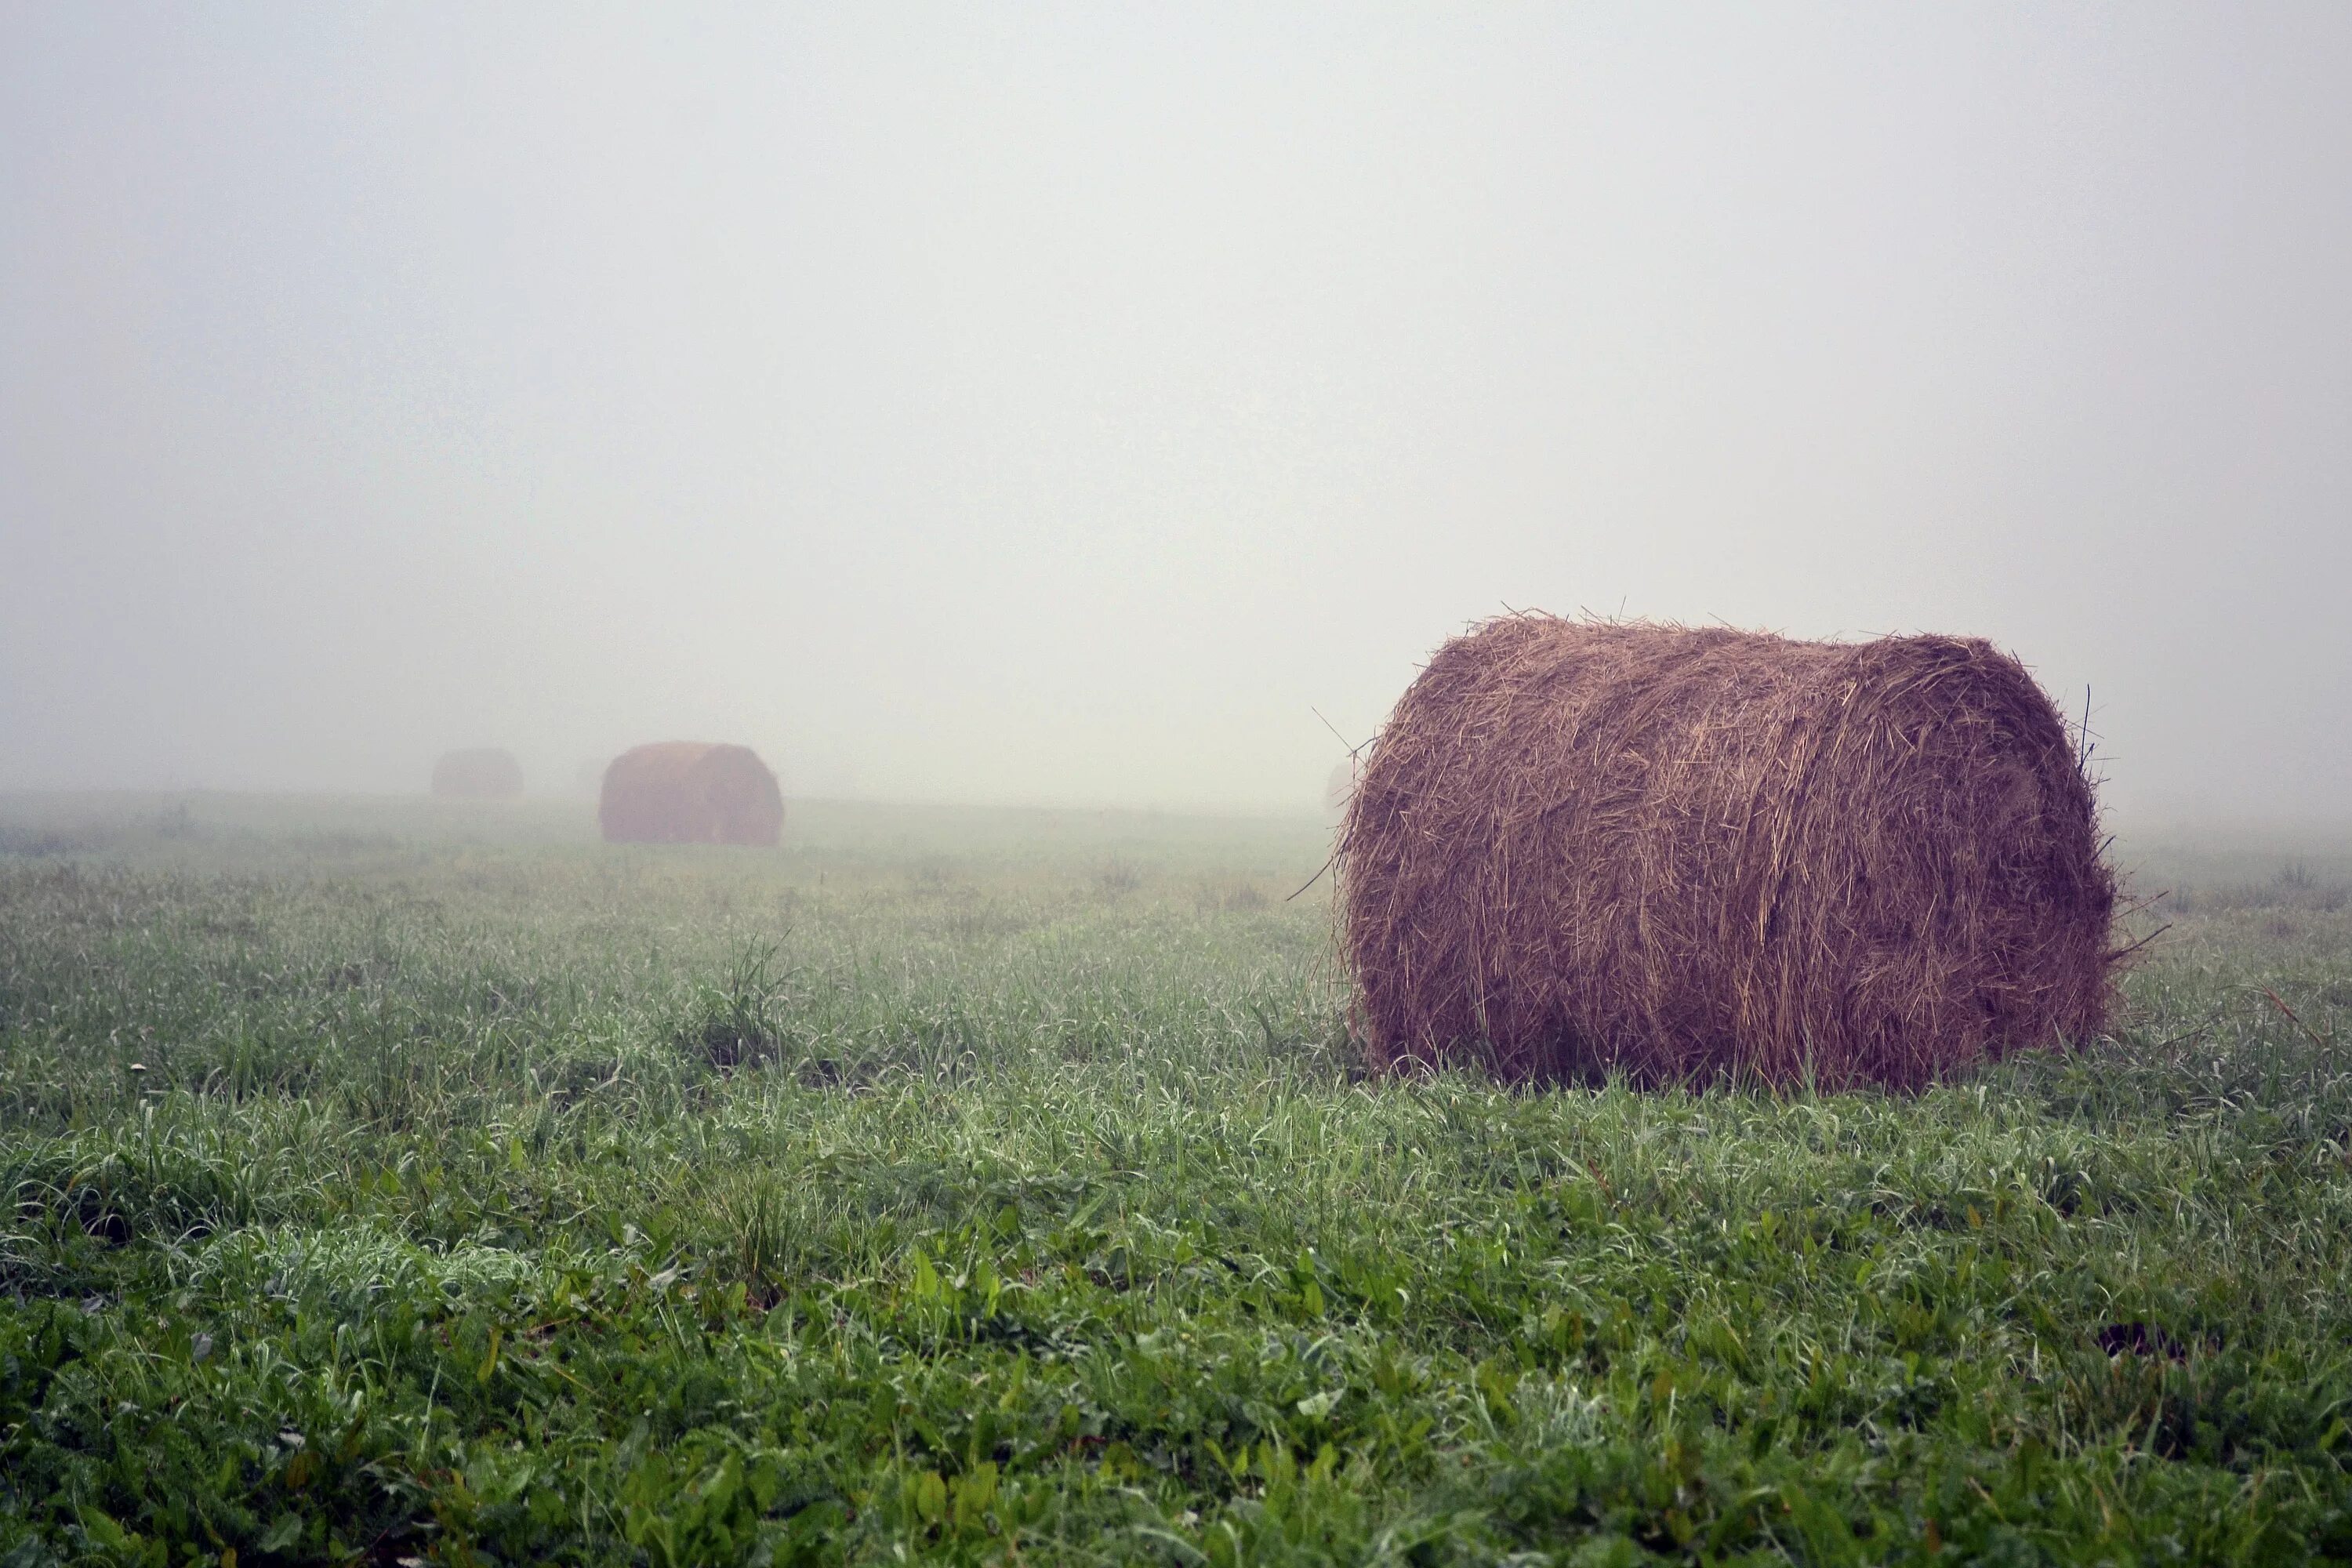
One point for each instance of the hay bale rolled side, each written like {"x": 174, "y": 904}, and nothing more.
{"x": 479, "y": 773}
{"x": 688, "y": 792}
{"x": 1582, "y": 846}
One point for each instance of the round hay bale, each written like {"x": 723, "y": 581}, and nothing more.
{"x": 1579, "y": 847}
{"x": 480, "y": 773}
{"x": 686, "y": 792}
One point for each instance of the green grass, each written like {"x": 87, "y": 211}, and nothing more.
{"x": 390, "y": 1184}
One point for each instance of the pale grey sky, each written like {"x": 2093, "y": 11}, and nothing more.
{"x": 1057, "y": 404}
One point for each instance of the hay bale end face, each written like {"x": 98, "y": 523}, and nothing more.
{"x": 686, "y": 792}
{"x": 483, "y": 772}
{"x": 1581, "y": 847}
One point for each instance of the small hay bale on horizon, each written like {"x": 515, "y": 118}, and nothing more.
{"x": 1582, "y": 846}
{"x": 689, "y": 792}
{"x": 1340, "y": 785}
{"x": 477, "y": 773}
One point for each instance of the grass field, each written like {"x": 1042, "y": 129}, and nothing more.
{"x": 391, "y": 1184}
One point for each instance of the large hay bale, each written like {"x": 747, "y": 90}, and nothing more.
{"x": 686, "y": 791}
{"x": 481, "y": 772}
{"x": 1582, "y": 847}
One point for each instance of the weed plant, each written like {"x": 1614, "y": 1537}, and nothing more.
{"x": 389, "y": 1185}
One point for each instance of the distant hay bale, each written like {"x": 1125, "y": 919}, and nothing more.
{"x": 482, "y": 773}
{"x": 1586, "y": 847}
{"x": 685, "y": 791}
{"x": 1341, "y": 785}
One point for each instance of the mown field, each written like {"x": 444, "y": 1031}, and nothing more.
{"x": 390, "y": 1184}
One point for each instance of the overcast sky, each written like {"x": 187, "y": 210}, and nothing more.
{"x": 1061, "y": 404}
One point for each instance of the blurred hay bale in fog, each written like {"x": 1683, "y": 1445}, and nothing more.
{"x": 689, "y": 792}
{"x": 1340, "y": 788}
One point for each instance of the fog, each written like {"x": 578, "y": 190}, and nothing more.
{"x": 1081, "y": 406}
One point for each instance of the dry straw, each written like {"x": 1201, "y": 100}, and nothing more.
{"x": 1583, "y": 846}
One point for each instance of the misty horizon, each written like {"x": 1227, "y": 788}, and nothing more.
{"x": 1063, "y": 407}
